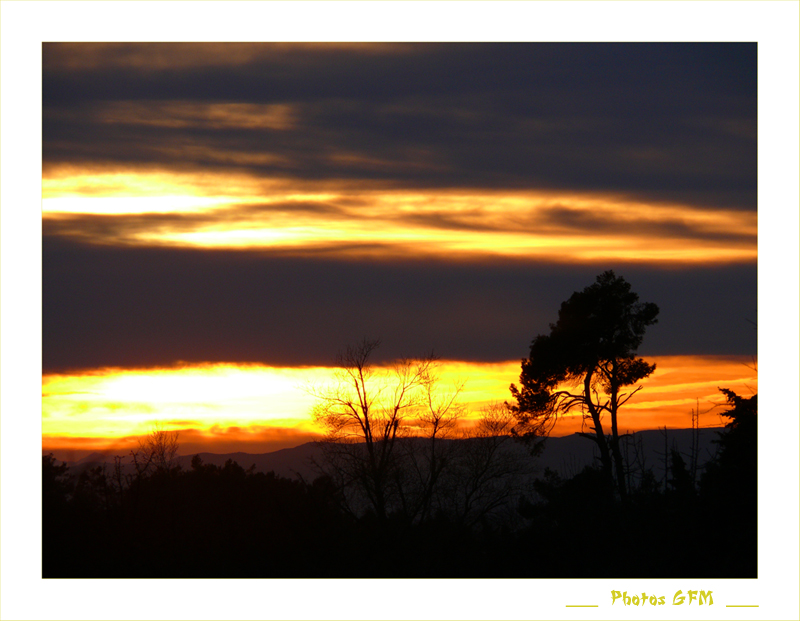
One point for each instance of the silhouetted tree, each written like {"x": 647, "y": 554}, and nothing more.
{"x": 585, "y": 362}
{"x": 486, "y": 474}
{"x": 426, "y": 452}
{"x": 57, "y": 522}
{"x": 393, "y": 444}
{"x": 364, "y": 414}
{"x": 734, "y": 471}
{"x": 729, "y": 487}
{"x": 681, "y": 483}
{"x": 155, "y": 452}
{"x": 56, "y": 482}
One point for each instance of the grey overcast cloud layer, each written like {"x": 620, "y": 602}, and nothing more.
{"x": 657, "y": 123}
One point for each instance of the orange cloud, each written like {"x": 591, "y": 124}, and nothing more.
{"x": 242, "y": 213}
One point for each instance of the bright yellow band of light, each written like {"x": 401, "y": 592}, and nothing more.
{"x": 266, "y": 403}
{"x": 239, "y": 212}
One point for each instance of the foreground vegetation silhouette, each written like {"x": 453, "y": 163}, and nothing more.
{"x": 402, "y": 495}
{"x": 389, "y": 446}
{"x": 222, "y": 521}
{"x": 585, "y": 362}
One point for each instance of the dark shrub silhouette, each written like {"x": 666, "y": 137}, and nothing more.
{"x": 729, "y": 486}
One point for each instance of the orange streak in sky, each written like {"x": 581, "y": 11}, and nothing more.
{"x": 252, "y": 408}
{"x": 236, "y": 211}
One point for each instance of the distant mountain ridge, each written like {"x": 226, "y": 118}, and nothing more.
{"x": 566, "y": 455}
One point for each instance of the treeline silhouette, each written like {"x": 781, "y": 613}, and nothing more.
{"x": 403, "y": 495}
{"x": 223, "y": 521}
{"x": 681, "y": 529}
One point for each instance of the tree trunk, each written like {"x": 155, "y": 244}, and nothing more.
{"x": 618, "y": 462}
{"x": 619, "y": 465}
{"x": 600, "y": 437}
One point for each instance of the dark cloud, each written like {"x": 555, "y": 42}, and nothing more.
{"x": 666, "y": 122}
{"x": 575, "y": 221}
{"x": 663, "y": 123}
{"x": 109, "y": 306}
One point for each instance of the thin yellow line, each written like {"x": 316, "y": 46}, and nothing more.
{"x": 582, "y": 605}
{"x": 741, "y": 605}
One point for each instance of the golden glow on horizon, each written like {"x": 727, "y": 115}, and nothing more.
{"x": 126, "y": 402}
{"x": 679, "y": 385}
{"x": 238, "y": 212}
{"x": 218, "y": 400}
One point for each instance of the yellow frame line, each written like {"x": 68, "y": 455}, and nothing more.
{"x": 582, "y": 605}
{"x": 741, "y": 605}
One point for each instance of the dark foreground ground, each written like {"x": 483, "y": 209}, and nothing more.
{"x": 212, "y": 521}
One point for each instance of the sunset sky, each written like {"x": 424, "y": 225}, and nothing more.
{"x": 280, "y": 144}
{"x": 218, "y": 220}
